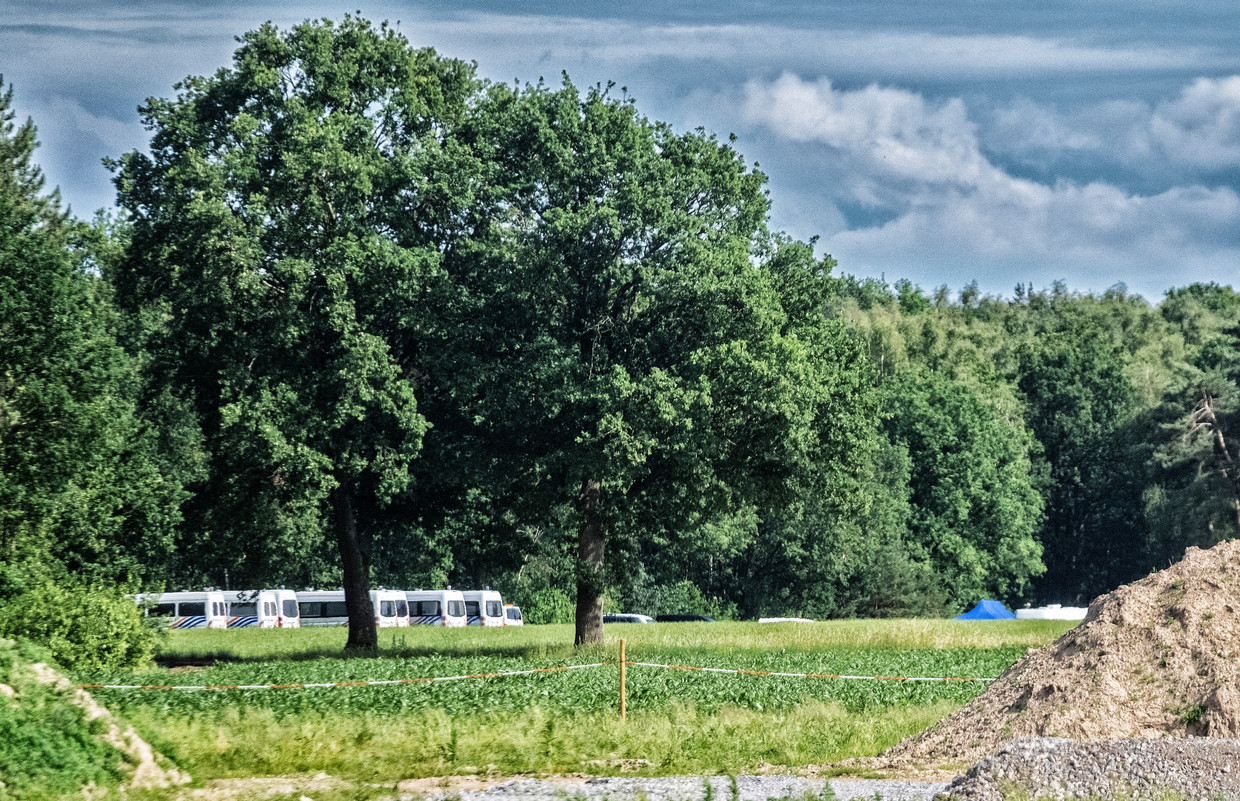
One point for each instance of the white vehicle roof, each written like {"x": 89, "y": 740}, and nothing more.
{"x": 174, "y": 597}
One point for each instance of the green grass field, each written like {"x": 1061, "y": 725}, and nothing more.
{"x": 678, "y": 721}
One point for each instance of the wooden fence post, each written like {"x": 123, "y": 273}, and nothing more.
{"x": 623, "y": 666}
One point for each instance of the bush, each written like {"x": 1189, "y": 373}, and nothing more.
{"x": 47, "y": 747}
{"x": 683, "y": 597}
{"x": 546, "y": 605}
{"x": 891, "y": 583}
{"x": 82, "y": 627}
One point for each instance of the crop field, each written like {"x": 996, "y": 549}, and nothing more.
{"x": 567, "y": 721}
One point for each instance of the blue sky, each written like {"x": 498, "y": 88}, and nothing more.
{"x": 1093, "y": 142}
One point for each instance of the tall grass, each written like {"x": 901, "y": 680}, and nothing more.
{"x": 676, "y": 739}
{"x": 555, "y": 641}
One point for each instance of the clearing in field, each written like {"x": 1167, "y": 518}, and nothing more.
{"x": 558, "y": 722}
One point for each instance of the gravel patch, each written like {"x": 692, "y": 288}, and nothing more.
{"x": 1194, "y": 768}
{"x": 694, "y": 788}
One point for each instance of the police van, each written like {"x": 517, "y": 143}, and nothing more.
{"x": 436, "y": 608}
{"x": 327, "y": 608}
{"x": 484, "y": 607}
{"x": 264, "y": 609}
{"x": 187, "y": 610}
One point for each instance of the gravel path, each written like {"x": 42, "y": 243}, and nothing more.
{"x": 693, "y": 788}
{"x": 1193, "y": 768}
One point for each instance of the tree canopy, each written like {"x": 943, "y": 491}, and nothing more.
{"x": 635, "y": 352}
{"x": 284, "y": 225}
{"x": 78, "y": 485}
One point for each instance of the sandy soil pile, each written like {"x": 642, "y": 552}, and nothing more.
{"x": 146, "y": 768}
{"x": 1155, "y": 658}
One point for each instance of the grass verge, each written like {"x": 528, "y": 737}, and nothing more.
{"x": 678, "y": 739}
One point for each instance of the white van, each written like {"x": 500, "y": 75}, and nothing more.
{"x": 484, "y": 607}
{"x": 326, "y": 608}
{"x": 187, "y": 610}
{"x": 512, "y": 615}
{"x": 264, "y": 609}
{"x": 436, "y": 608}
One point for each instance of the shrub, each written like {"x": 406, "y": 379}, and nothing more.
{"x": 547, "y": 605}
{"x": 82, "y": 627}
{"x": 683, "y": 597}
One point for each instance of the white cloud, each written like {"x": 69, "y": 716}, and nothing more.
{"x": 1197, "y": 130}
{"x": 951, "y": 206}
{"x": 1201, "y": 127}
{"x": 891, "y": 133}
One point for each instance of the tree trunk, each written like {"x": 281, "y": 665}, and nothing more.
{"x": 356, "y": 563}
{"x": 590, "y": 546}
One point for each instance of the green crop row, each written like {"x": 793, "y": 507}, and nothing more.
{"x": 584, "y": 690}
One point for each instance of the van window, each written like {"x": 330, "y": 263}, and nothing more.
{"x": 217, "y": 608}
{"x": 311, "y": 609}
{"x": 194, "y": 608}
{"x": 471, "y": 608}
{"x": 164, "y": 610}
{"x": 387, "y": 609}
{"x": 513, "y": 613}
{"x": 245, "y": 610}
{"x": 430, "y": 608}
{"x": 335, "y": 609}
{"x": 402, "y": 608}
{"x": 456, "y": 609}
{"x": 269, "y": 608}
{"x": 290, "y": 608}
{"x": 494, "y": 609}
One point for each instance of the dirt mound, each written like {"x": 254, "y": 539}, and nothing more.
{"x": 146, "y": 769}
{"x": 1156, "y": 658}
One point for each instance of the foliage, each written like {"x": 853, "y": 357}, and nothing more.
{"x": 82, "y": 626}
{"x": 284, "y": 227}
{"x": 627, "y": 354}
{"x": 1196, "y": 500}
{"x": 1079, "y": 405}
{"x": 47, "y": 747}
{"x": 974, "y": 504}
{"x": 78, "y": 484}
{"x": 682, "y": 597}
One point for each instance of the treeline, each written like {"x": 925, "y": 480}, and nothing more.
{"x": 365, "y": 319}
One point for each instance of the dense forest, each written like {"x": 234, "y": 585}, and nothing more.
{"x": 362, "y": 319}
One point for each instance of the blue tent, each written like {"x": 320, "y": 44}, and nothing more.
{"x": 987, "y": 610}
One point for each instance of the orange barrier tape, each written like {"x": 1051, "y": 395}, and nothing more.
{"x": 335, "y": 683}
{"x": 804, "y": 675}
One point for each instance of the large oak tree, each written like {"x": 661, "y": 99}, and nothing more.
{"x": 285, "y": 223}
{"x": 629, "y": 352}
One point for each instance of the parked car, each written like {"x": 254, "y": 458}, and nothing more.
{"x": 616, "y": 617}
{"x": 684, "y": 619}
